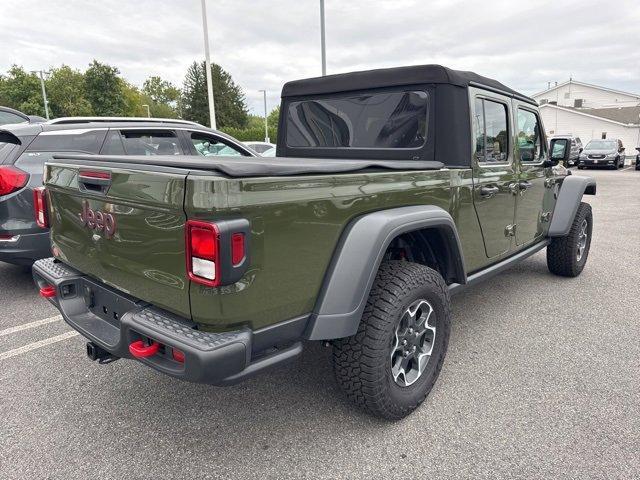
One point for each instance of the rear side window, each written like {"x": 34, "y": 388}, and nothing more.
{"x": 8, "y": 117}
{"x": 396, "y": 120}
{"x": 113, "y": 144}
{"x": 84, "y": 141}
{"x": 491, "y": 131}
{"x": 146, "y": 142}
{"x": 208, "y": 146}
{"x": 8, "y": 144}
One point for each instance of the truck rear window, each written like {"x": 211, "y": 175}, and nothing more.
{"x": 365, "y": 120}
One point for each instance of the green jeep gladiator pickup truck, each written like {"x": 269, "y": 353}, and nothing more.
{"x": 391, "y": 190}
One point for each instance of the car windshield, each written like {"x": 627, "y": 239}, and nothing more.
{"x": 601, "y": 145}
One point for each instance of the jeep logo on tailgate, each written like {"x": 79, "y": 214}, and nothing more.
{"x": 98, "y": 220}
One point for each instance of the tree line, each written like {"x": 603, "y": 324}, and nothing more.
{"x": 101, "y": 91}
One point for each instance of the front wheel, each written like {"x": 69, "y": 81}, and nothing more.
{"x": 390, "y": 365}
{"x": 567, "y": 256}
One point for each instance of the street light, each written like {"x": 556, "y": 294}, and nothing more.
{"x": 266, "y": 126}
{"x": 207, "y": 61}
{"x": 148, "y": 111}
{"x": 44, "y": 92}
{"x": 322, "y": 40}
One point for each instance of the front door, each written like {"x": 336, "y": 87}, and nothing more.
{"x": 532, "y": 189}
{"x": 494, "y": 173}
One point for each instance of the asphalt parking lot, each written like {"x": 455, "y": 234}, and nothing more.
{"x": 542, "y": 380}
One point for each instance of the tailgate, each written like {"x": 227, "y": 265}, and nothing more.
{"x": 123, "y": 226}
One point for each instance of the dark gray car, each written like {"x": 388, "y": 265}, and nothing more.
{"x": 607, "y": 153}
{"x": 24, "y": 148}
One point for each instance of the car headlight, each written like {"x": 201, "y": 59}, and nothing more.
{"x": 611, "y": 155}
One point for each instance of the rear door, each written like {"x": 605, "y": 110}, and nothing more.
{"x": 531, "y": 214}
{"x": 494, "y": 172}
{"x": 123, "y": 225}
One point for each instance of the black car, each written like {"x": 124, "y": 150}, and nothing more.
{"x": 638, "y": 159}
{"x": 24, "y": 148}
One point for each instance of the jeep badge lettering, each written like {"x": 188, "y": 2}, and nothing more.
{"x": 98, "y": 220}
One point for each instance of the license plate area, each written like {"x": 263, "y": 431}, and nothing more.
{"x": 104, "y": 302}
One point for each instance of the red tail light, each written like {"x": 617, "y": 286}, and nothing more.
{"x": 12, "y": 179}
{"x": 202, "y": 242}
{"x": 40, "y": 207}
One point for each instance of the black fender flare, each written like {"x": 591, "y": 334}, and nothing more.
{"x": 358, "y": 256}
{"x": 570, "y": 195}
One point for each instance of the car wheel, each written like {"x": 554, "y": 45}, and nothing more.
{"x": 567, "y": 256}
{"x": 390, "y": 365}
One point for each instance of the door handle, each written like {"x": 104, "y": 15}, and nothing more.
{"x": 488, "y": 192}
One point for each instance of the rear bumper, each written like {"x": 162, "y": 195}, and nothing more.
{"x": 112, "y": 320}
{"x": 26, "y": 248}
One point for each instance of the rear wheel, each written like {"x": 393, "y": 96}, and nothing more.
{"x": 390, "y": 365}
{"x": 567, "y": 256}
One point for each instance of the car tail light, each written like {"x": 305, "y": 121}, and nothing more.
{"x": 202, "y": 243}
{"x": 12, "y": 179}
{"x": 40, "y": 207}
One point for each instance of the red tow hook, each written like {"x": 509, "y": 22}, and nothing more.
{"x": 139, "y": 350}
{"x": 48, "y": 291}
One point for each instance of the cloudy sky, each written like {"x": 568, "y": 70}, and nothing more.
{"x": 524, "y": 44}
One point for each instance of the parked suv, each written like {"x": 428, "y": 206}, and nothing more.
{"x": 26, "y": 147}
{"x": 602, "y": 153}
{"x": 576, "y": 148}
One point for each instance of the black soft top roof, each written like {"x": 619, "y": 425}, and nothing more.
{"x": 391, "y": 77}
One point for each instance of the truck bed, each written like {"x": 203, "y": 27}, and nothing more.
{"x": 238, "y": 167}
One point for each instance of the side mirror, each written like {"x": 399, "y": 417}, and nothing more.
{"x": 621, "y": 149}
{"x": 581, "y": 149}
{"x": 560, "y": 151}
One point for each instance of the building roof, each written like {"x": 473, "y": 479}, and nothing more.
{"x": 622, "y": 115}
{"x": 575, "y": 82}
{"x": 390, "y": 77}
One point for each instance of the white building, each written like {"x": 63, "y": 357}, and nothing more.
{"x": 589, "y": 111}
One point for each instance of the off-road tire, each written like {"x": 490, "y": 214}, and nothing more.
{"x": 562, "y": 253}
{"x": 362, "y": 363}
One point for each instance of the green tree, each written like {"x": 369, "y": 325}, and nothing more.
{"x": 22, "y": 91}
{"x": 230, "y": 105}
{"x": 161, "y": 96}
{"x": 133, "y": 100}
{"x": 273, "y": 117}
{"x": 160, "y": 91}
{"x": 66, "y": 93}
{"x": 105, "y": 90}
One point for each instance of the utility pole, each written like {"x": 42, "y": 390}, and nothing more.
{"x": 44, "y": 93}
{"x": 207, "y": 61}
{"x": 266, "y": 126}
{"x": 322, "y": 40}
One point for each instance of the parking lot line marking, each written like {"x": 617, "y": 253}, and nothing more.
{"x": 36, "y": 345}
{"x": 26, "y": 326}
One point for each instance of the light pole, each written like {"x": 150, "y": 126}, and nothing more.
{"x": 148, "y": 111}
{"x": 322, "y": 40}
{"x": 266, "y": 126}
{"x": 44, "y": 92}
{"x": 207, "y": 61}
